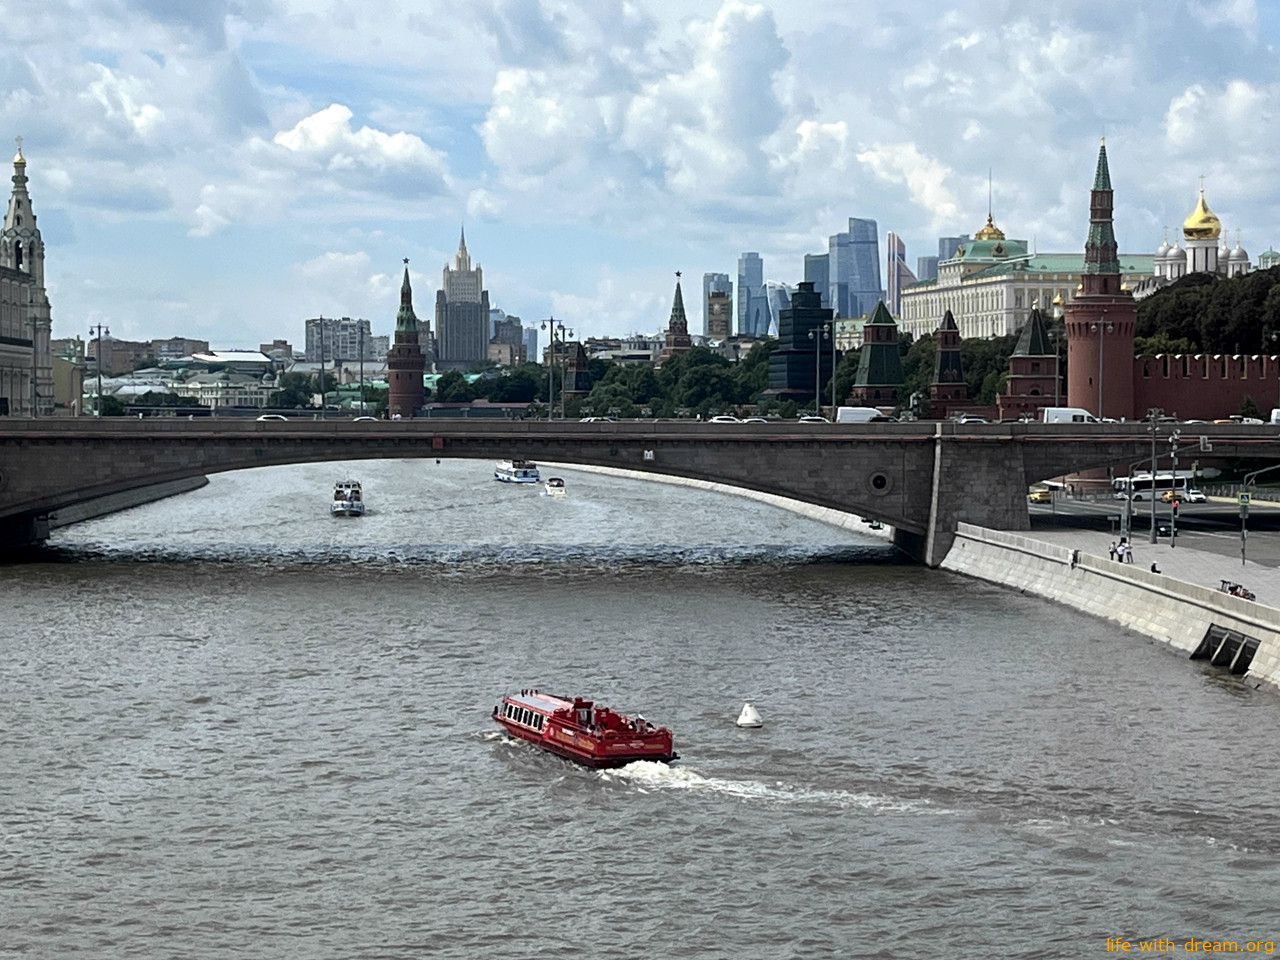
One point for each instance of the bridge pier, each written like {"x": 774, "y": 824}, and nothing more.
{"x": 22, "y": 531}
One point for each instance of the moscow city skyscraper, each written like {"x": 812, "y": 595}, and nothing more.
{"x": 899, "y": 274}
{"x": 753, "y": 307}
{"x": 854, "y": 269}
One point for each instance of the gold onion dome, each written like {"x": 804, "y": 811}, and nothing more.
{"x": 990, "y": 231}
{"x": 1202, "y": 224}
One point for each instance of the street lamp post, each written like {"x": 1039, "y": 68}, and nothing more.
{"x": 99, "y": 329}
{"x": 817, "y": 336}
{"x": 322, "y": 368}
{"x": 1101, "y": 328}
{"x": 833, "y": 371}
{"x": 1057, "y": 352}
{"x": 1173, "y": 502}
{"x": 553, "y": 328}
{"x": 1153, "y": 414}
{"x": 361, "y": 349}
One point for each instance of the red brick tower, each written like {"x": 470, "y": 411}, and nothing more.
{"x": 405, "y": 361}
{"x": 1100, "y": 320}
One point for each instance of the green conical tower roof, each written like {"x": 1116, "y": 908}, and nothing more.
{"x": 406, "y": 320}
{"x": 880, "y": 360}
{"x": 1034, "y": 340}
{"x": 678, "y": 323}
{"x": 1100, "y": 250}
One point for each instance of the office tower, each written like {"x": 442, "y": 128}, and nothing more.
{"x": 462, "y": 314}
{"x": 753, "y": 311}
{"x": 777, "y": 297}
{"x": 926, "y": 268}
{"x": 854, "y": 269}
{"x": 530, "y": 342}
{"x": 802, "y": 364}
{"x": 817, "y": 270}
{"x": 719, "y": 286}
{"x": 338, "y": 338}
{"x": 947, "y": 246}
{"x": 899, "y": 274}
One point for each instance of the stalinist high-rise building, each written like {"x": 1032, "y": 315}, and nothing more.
{"x": 26, "y": 368}
{"x": 462, "y": 314}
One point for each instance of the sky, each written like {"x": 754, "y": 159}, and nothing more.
{"x": 225, "y": 169}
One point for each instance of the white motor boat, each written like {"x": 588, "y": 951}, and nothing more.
{"x": 750, "y": 716}
{"x": 348, "y": 499}
{"x": 554, "y": 487}
{"x": 516, "y": 471}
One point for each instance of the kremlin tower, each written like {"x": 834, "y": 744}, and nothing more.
{"x": 1100, "y": 320}
{"x": 405, "y": 361}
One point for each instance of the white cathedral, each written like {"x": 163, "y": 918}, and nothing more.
{"x": 1201, "y": 231}
{"x": 26, "y": 368}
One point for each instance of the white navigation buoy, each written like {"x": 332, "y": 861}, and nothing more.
{"x": 750, "y": 716}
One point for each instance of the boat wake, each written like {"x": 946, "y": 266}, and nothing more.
{"x": 647, "y": 775}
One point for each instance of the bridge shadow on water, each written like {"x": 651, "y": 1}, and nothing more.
{"x": 586, "y": 559}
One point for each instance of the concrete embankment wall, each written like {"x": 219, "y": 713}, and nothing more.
{"x": 1152, "y": 604}
{"x": 113, "y": 503}
{"x": 836, "y": 518}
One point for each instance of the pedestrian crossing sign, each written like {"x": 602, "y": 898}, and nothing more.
{"x": 1244, "y": 499}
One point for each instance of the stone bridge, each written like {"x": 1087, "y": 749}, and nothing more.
{"x": 921, "y": 478}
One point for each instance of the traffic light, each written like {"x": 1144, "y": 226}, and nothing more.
{"x": 1175, "y": 508}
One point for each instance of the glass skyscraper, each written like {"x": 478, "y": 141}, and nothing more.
{"x": 753, "y": 309}
{"x": 817, "y": 271}
{"x": 853, "y": 262}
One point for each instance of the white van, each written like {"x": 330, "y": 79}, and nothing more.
{"x": 1275, "y": 415}
{"x": 856, "y": 414}
{"x": 1069, "y": 415}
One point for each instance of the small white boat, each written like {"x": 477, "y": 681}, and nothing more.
{"x": 516, "y": 471}
{"x": 554, "y": 487}
{"x": 750, "y": 716}
{"x": 348, "y": 499}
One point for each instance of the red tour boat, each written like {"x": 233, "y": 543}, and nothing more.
{"x": 582, "y": 731}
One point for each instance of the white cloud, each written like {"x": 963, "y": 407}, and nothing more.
{"x": 326, "y": 138}
{"x": 599, "y": 144}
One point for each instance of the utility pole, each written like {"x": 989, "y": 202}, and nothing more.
{"x": 322, "y": 367}
{"x": 99, "y": 329}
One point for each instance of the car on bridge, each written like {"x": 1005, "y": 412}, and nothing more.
{"x": 272, "y": 416}
{"x": 724, "y": 418}
{"x": 813, "y": 419}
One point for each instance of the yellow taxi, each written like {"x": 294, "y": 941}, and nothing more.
{"x": 1040, "y": 496}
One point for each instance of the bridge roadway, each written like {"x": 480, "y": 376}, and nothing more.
{"x": 919, "y": 477}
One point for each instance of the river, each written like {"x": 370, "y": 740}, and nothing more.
{"x": 231, "y": 726}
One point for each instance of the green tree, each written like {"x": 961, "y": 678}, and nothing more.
{"x": 452, "y": 387}
{"x": 295, "y": 391}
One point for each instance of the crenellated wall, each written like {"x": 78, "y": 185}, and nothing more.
{"x": 1204, "y": 386}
